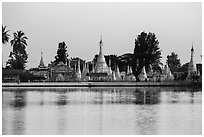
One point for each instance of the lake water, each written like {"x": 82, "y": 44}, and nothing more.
{"x": 99, "y": 111}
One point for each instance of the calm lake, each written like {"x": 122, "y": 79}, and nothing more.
{"x": 119, "y": 111}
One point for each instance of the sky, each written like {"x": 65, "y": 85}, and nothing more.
{"x": 80, "y": 25}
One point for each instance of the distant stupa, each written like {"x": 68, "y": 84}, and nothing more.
{"x": 143, "y": 75}
{"x": 101, "y": 66}
{"x": 118, "y": 77}
{"x": 41, "y": 64}
{"x": 84, "y": 72}
{"x": 167, "y": 70}
{"x": 167, "y": 75}
{"x": 192, "y": 67}
{"x": 78, "y": 71}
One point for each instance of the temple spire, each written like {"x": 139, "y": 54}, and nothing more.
{"x": 41, "y": 61}
{"x": 101, "y": 41}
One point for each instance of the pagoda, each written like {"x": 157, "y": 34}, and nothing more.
{"x": 191, "y": 67}
{"x": 41, "y": 64}
{"x": 101, "y": 71}
{"x": 101, "y": 66}
{"x": 41, "y": 72}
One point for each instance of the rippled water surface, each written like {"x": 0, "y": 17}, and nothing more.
{"x": 102, "y": 111}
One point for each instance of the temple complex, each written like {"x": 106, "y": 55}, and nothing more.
{"x": 101, "y": 71}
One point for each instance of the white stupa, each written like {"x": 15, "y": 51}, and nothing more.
{"x": 191, "y": 67}
{"x": 113, "y": 76}
{"x": 118, "y": 76}
{"x": 167, "y": 75}
{"x": 78, "y": 73}
{"x": 84, "y": 72}
{"x": 143, "y": 75}
{"x": 101, "y": 66}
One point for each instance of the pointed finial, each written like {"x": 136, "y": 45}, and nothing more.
{"x": 101, "y": 41}
{"x": 192, "y": 47}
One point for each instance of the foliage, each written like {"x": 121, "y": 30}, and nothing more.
{"x": 19, "y": 56}
{"x": 111, "y": 60}
{"x": 124, "y": 61}
{"x": 146, "y": 52}
{"x": 173, "y": 62}
{"x": 74, "y": 63}
{"x": 5, "y": 35}
{"x": 61, "y": 53}
{"x": 184, "y": 67}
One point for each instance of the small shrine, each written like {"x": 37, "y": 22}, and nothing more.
{"x": 61, "y": 72}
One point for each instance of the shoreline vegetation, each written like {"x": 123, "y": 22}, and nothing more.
{"x": 104, "y": 84}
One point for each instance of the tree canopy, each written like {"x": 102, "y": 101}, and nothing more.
{"x": 19, "y": 56}
{"x": 173, "y": 62}
{"x": 5, "y": 35}
{"x": 61, "y": 53}
{"x": 146, "y": 52}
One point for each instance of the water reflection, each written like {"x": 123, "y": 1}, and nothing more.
{"x": 147, "y": 120}
{"x": 19, "y": 99}
{"x": 102, "y": 111}
{"x": 147, "y": 96}
{"x": 18, "y": 102}
{"x": 62, "y": 97}
{"x": 18, "y": 122}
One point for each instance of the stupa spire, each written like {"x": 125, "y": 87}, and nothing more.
{"x": 100, "y": 45}
{"x": 41, "y": 61}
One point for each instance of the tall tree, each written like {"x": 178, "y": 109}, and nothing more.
{"x": 61, "y": 53}
{"x": 124, "y": 61}
{"x": 5, "y": 35}
{"x": 146, "y": 52}
{"x": 173, "y": 62}
{"x": 19, "y": 56}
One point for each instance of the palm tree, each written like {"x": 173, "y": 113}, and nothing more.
{"x": 19, "y": 42}
{"x": 19, "y": 55}
{"x": 5, "y": 35}
{"x": 146, "y": 52}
